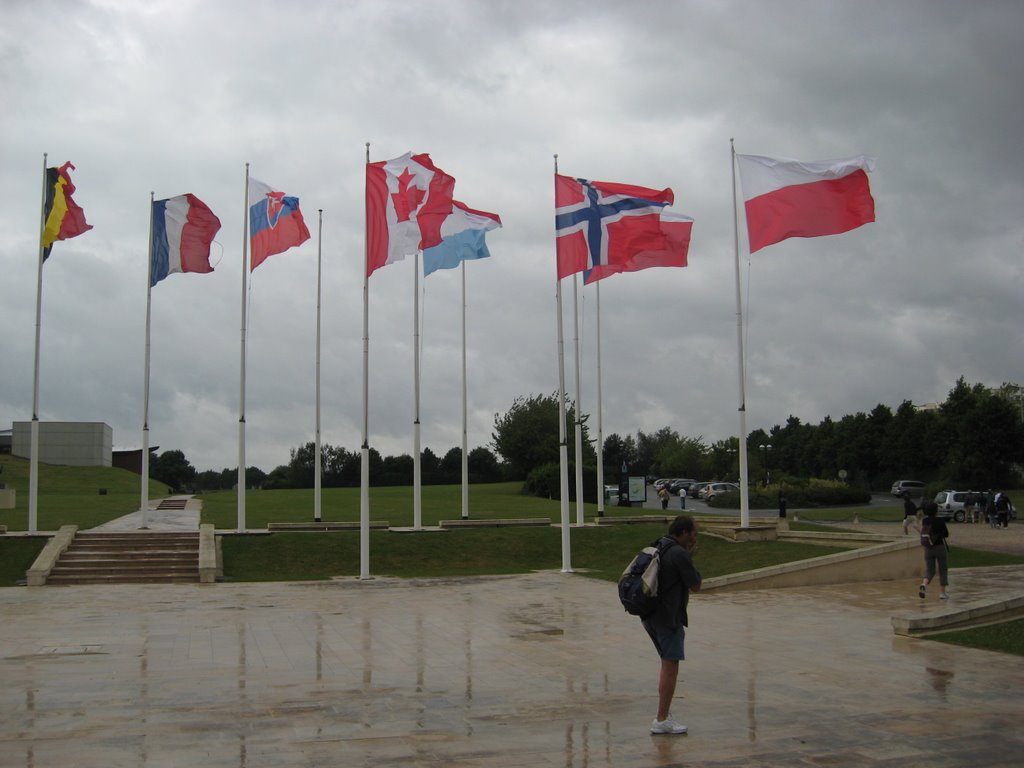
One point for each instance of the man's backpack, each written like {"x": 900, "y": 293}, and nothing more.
{"x": 638, "y": 585}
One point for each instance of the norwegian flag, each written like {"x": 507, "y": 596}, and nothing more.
{"x": 602, "y": 224}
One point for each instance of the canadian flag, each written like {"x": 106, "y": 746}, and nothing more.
{"x": 407, "y": 201}
{"x": 789, "y": 198}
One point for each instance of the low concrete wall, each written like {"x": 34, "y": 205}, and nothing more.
{"x": 992, "y": 612}
{"x": 881, "y": 562}
{"x": 512, "y": 522}
{"x": 37, "y": 575}
{"x": 207, "y": 554}
{"x": 829, "y": 539}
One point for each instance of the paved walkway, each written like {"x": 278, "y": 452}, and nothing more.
{"x": 524, "y": 671}
{"x": 186, "y": 519}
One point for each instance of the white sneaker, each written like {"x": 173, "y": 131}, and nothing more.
{"x": 668, "y": 725}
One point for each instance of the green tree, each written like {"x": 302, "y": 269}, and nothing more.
{"x": 526, "y": 436}
{"x": 173, "y": 469}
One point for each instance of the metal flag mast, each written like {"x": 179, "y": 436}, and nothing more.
{"x": 364, "y": 465}
{"x": 317, "y": 461}
{"x": 600, "y": 429}
{"x": 33, "y": 465}
{"x": 563, "y": 448}
{"x": 144, "y": 501}
{"x": 742, "y": 445}
{"x": 465, "y": 414}
{"x": 417, "y": 489}
{"x": 577, "y": 411}
{"x": 241, "y": 394}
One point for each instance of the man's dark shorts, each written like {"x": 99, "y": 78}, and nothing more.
{"x": 668, "y": 642}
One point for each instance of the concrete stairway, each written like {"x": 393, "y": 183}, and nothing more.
{"x": 127, "y": 558}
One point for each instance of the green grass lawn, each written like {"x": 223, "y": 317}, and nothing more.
{"x": 1007, "y": 637}
{"x": 599, "y": 552}
{"x": 17, "y": 555}
{"x": 71, "y": 495}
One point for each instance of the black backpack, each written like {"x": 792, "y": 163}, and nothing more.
{"x": 638, "y": 585}
{"x": 926, "y": 533}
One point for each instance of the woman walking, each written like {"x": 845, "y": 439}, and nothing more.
{"x": 934, "y": 533}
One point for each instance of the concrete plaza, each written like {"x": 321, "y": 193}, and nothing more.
{"x": 536, "y": 670}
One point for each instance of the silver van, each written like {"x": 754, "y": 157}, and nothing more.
{"x": 914, "y": 487}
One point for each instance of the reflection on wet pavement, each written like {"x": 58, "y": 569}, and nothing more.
{"x": 536, "y": 670}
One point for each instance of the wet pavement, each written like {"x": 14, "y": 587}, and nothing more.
{"x": 535, "y": 670}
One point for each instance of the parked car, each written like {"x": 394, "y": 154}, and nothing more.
{"x": 694, "y": 490}
{"x": 914, "y": 487}
{"x": 679, "y": 486}
{"x": 661, "y": 482}
{"x": 713, "y": 489}
{"x": 951, "y": 504}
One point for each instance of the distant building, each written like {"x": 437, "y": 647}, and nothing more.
{"x": 131, "y": 458}
{"x": 5, "y": 440}
{"x": 71, "y": 443}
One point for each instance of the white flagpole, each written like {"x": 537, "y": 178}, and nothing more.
{"x": 578, "y": 421}
{"x": 316, "y": 477}
{"x": 33, "y": 467}
{"x": 742, "y": 444}
{"x": 364, "y": 466}
{"x": 241, "y": 388}
{"x": 417, "y": 501}
{"x": 563, "y": 448}
{"x": 600, "y": 429}
{"x": 144, "y": 502}
{"x": 465, "y": 415}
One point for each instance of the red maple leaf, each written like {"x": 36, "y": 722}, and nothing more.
{"x": 408, "y": 198}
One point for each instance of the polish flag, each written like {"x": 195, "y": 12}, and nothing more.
{"x": 789, "y": 198}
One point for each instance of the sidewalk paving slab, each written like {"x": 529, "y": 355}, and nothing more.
{"x": 535, "y": 670}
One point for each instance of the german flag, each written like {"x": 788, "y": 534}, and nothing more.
{"x": 62, "y": 217}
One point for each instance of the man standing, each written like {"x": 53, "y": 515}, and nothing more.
{"x": 677, "y": 577}
{"x": 909, "y": 513}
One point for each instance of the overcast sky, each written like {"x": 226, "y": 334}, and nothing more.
{"x": 175, "y": 96}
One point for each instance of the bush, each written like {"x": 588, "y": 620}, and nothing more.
{"x": 544, "y": 481}
{"x": 817, "y": 493}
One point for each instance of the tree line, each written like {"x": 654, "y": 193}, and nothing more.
{"x": 975, "y": 439}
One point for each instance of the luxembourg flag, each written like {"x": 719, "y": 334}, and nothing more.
{"x": 407, "y": 202}
{"x": 789, "y": 198}
{"x": 183, "y": 228}
{"x": 463, "y": 238}
{"x": 275, "y": 222}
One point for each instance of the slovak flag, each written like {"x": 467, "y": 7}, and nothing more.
{"x": 598, "y": 223}
{"x": 789, "y": 198}
{"x": 407, "y": 201}
{"x": 672, "y": 252}
{"x": 183, "y": 228}
{"x": 463, "y": 238}
{"x": 275, "y": 222}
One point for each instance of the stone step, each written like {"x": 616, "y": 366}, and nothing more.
{"x": 128, "y": 557}
{"x": 121, "y": 578}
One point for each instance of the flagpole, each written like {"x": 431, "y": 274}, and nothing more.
{"x": 417, "y": 506}
{"x": 578, "y": 421}
{"x": 364, "y": 465}
{"x": 33, "y": 470}
{"x": 465, "y": 415}
{"x": 742, "y": 444}
{"x": 241, "y": 387}
{"x": 600, "y": 430}
{"x": 563, "y": 448}
{"x": 317, "y": 476}
{"x": 144, "y": 502}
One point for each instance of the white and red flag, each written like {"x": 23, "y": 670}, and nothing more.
{"x": 407, "y": 201}
{"x": 789, "y": 198}
{"x": 601, "y": 223}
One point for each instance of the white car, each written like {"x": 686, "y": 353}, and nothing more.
{"x": 711, "y": 490}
